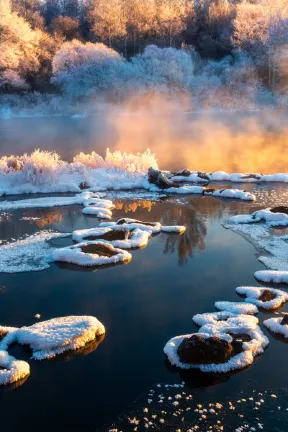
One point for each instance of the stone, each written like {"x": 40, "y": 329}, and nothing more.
{"x": 266, "y": 296}
{"x": 84, "y": 185}
{"x": 128, "y": 221}
{"x": 99, "y": 249}
{"x": 121, "y": 234}
{"x": 160, "y": 179}
{"x": 198, "y": 350}
{"x": 280, "y": 209}
{"x": 285, "y": 320}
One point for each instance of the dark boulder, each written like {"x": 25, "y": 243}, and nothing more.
{"x": 84, "y": 186}
{"x": 129, "y": 221}
{"x": 203, "y": 176}
{"x": 198, "y": 350}
{"x": 266, "y": 296}
{"x": 184, "y": 173}
{"x": 251, "y": 176}
{"x": 208, "y": 190}
{"x": 121, "y": 234}
{"x": 285, "y": 320}
{"x": 280, "y": 209}
{"x": 160, "y": 179}
{"x": 99, "y": 249}
{"x": 237, "y": 343}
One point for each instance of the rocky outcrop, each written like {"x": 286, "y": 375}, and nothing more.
{"x": 266, "y": 296}
{"x": 160, "y": 179}
{"x": 84, "y": 185}
{"x": 285, "y": 320}
{"x": 99, "y": 249}
{"x": 279, "y": 209}
{"x": 131, "y": 221}
{"x": 121, "y": 234}
{"x": 198, "y": 350}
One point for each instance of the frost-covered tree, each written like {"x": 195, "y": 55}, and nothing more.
{"x": 85, "y": 69}
{"x": 108, "y": 20}
{"x": 66, "y": 27}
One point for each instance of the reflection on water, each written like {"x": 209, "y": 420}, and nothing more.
{"x": 191, "y": 239}
{"x": 132, "y": 206}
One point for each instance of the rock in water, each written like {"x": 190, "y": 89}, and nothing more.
{"x": 266, "y": 296}
{"x": 99, "y": 249}
{"x": 121, "y": 234}
{"x": 183, "y": 173}
{"x": 285, "y": 320}
{"x": 131, "y": 221}
{"x": 160, "y": 179}
{"x": 198, "y": 350}
{"x": 84, "y": 186}
{"x": 279, "y": 209}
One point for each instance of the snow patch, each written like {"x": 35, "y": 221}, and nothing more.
{"x": 274, "y": 324}
{"x": 55, "y": 336}
{"x": 74, "y": 255}
{"x": 13, "y": 370}
{"x": 272, "y": 276}
{"x": 237, "y": 307}
{"x": 253, "y": 293}
{"x": 31, "y": 254}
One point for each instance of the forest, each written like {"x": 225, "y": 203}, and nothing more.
{"x": 218, "y": 52}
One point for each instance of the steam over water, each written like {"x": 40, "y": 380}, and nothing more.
{"x": 229, "y": 141}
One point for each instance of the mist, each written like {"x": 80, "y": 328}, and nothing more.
{"x": 179, "y": 135}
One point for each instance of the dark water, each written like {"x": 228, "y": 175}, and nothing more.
{"x": 142, "y": 305}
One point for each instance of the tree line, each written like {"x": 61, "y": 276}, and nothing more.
{"x": 33, "y": 33}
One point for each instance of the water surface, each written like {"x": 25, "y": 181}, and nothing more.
{"x": 142, "y": 305}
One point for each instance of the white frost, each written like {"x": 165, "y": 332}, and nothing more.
{"x": 274, "y": 324}
{"x": 55, "y": 336}
{"x": 138, "y": 238}
{"x": 237, "y": 307}
{"x": 31, "y": 254}
{"x": 13, "y": 370}
{"x": 273, "y": 276}
{"x": 253, "y": 293}
{"x": 74, "y": 255}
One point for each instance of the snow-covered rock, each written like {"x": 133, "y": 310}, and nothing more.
{"x": 12, "y": 370}
{"x": 272, "y": 276}
{"x": 55, "y": 336}
{"x": 92, "y": 253}
{"x": 253, "y": 295}
{"x": 237, "y": 307}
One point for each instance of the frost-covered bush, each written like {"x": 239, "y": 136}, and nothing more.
{"x": 83, "y": 69}
{"x": 38, "y": 168}
{"x": 139, "y": 162}
{"x": 163, "y": 69}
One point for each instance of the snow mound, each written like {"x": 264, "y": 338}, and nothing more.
{"x": 274, "y": 324}
{"x": 55, "y": 336}
{"x": 12, "y": 370}
{"x": 270, "y": 218}
{"x": 138, "y": 238}
{"x": 74, "y": 255}
{"x": 103, "y": 203}
{"x": 261, "y": 237}
{"x": 151, "y": 227}
{"x": 132, "y": 224}
{"x": 237, "y": 307}
{"x": 31, "y": 254}
{"x": 100, "y": 212}
{"x": 232, "y": 194}
{"x": 46, "y": 202}
{"x": 215, "y": 317}
{"x": 272, "y": 276}
{"x": 253, "y": 293}
{"x": 178, "y": 229}
{"x": 234, "y": 326}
